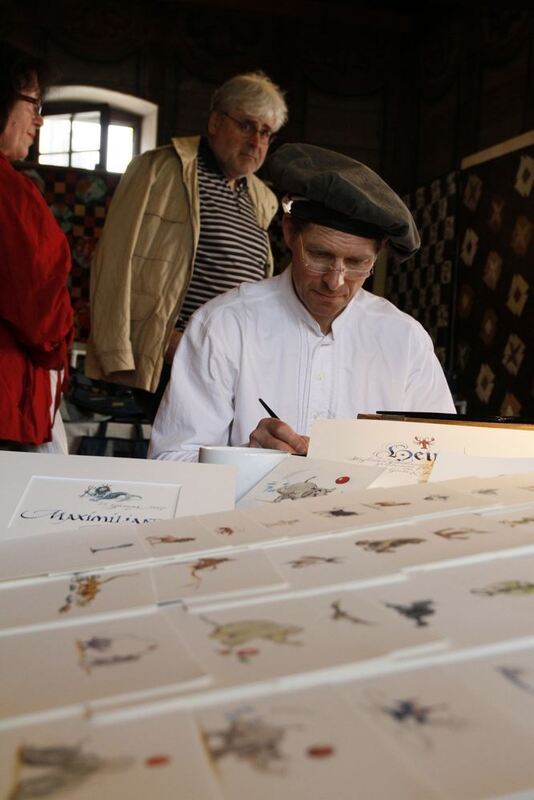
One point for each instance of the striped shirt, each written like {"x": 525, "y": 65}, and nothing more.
{"x": 232, "y": 248}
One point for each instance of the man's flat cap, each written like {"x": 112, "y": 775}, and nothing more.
{"x": 331, "y": 189}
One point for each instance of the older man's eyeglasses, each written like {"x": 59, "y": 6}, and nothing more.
{"x": 321, "y": 264}
{"x": 249, "y": 128}
{"x": 36, "y": 102}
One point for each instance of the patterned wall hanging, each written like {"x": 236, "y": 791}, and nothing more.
{"x": 79, "y": 199}
{"x": 494, "y": 342}
{"x": 423, "y": 285}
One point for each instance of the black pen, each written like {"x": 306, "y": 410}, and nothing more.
{"x": 268, "y": 410}
{"x": 275, "y": 416}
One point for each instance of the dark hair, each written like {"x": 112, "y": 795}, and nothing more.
{"x": 18, "y": 69}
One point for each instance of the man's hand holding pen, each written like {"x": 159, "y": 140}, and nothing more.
{"x": 277, "y": 435}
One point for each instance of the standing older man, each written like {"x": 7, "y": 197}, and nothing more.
{"x": 311, "y": 341}
{"x": 188, "y": 221}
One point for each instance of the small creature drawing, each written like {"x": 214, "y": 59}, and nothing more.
{"x": 299, "y": 491}
{"x": 110, "y": 547}
{"x": 515, "y": 675}
{"x": 385, "y": 545}
{"x": 513, "y": 587}
{"x": 411, "y": 711}
{"x": 513, "y": 523}
{"x": 490, "y": 492}
{"x": 224, "y": 530}
{"x": 251, "y": 740}
{"x": 102, "y": 651}
{"x": 204, "y": 563}
{"x": 153, "y": 540}
{"x": 456, "y": 533}
{"x": 338, "y": 613}
{"x": 337, "y": 512}
{"x": 386, "y": 504}
{"x": 310, "y": 561}
{"x": 432, "y": 497}
{"x": 104, "y": 492}
{"x": 280, "y": 522}
{"x": 58, "y": 769}
{"x": 424, "y": 441}
{"x": 417, "y": 611}
{"x": 235, "y": 634}
{"x": 84, "y": 588}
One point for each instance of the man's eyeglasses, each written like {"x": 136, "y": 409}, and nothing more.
{"x": 249, "y": 128}
{"x": 36, "y": 102}
{"x": 322, "y": 264}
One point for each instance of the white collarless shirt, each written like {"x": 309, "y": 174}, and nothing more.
{"x": 259, "y": 340}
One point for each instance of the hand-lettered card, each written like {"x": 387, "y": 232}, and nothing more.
{"x": 208, "y": 578}
{"x": 155, "y": 756}
{"x": 444, "y": 734}
{"x": 68, "y": 599}
{"x": 299, "y": 479}
{"x": 113, "y": 661}
{"x": 300, "y": 745}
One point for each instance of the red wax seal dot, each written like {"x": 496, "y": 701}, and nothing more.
{"x": 343, "y": 479}
{"x": 157, "y": 761}
{"x": 320, "y": 751}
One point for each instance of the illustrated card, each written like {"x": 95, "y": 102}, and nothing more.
{"x": 179, "y": 537}
{"x": 206, "y": 578}
{"x": 299, "y": 479}
{"x": 110, "y": 661}
{"x": 445, "y": 734}
{"x": 505, "y": 680}
{"x": 300, "y": 745}
{"x": 330, "y": 561}
{"x": 71, "y": 551}
{"x": 159, "y": 757}
{"x": 71, "y": 598}
{"x": 481, "y": 603}
{"x": 234, "y": 528}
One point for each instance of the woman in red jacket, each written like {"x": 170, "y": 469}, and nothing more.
{"x": 35, "y": 311}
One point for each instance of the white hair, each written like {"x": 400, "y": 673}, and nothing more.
{"x": 253, "y": 93}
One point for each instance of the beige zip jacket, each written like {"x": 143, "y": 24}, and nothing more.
{"x": 144, "y": 262}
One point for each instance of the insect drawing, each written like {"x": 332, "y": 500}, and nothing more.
{"x": 299, "y": 491}
{"x": 233, "y": 635}
{"x": 102, "y": 651}
{"x": 338, "y": 613}
{"x": 456, "y": 533}
{"x": 417, "y": 611}
{"x": 104, "y": 492}
{"x": 514, "y": 522}
{"x": 83, "y": 589}
{"x": 58, "y": 769}
{"x": 385, "y": 545}
{"x": 253, "y": 740}
{"x": 200, "y": 564}
{"x": 513, "y": 587}
{"x": 225, "y": 530}
{"x": 110, "y": 547}
{"x": 486, "y": 492}
{"x": 432, "y": 497}
{"x": 424, "y": 442}
{"x": 311, "y": 561}
{"x": 153, "y": 540}
{"x": 337, "y": 512}
{"x": 516, "y": 676}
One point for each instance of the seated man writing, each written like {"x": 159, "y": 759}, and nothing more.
{"x": 312, "y": 342}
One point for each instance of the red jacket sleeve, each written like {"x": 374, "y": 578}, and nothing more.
{"x": 34, "y": 265}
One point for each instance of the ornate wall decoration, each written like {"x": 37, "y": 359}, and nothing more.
{"x": 494, "y": 340}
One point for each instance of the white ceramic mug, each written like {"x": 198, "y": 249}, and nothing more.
{"x": 252, "y": 463}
